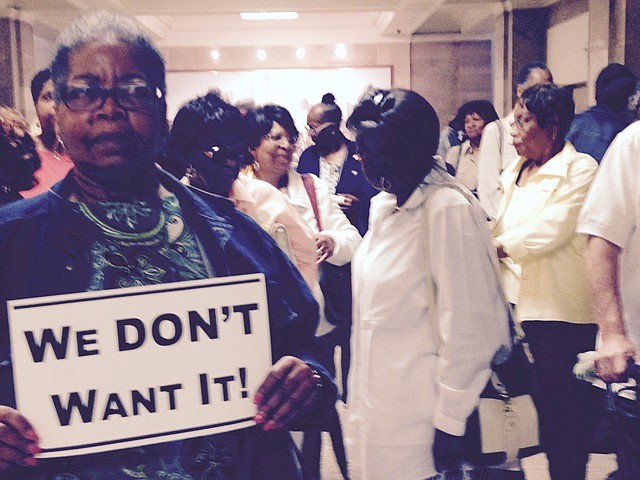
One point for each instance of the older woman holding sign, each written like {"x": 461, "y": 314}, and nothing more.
{"x": 118, "y": 221}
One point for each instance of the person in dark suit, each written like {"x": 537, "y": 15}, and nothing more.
{"x": 331, "y": 157}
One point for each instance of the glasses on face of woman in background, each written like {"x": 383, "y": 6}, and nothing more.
{"x": 280, "y": 138}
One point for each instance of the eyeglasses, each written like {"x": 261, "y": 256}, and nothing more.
{"x": 279, "y": 138}
{"x": 130, "y": 97}
{"x": 318, "y": 128}
{"x": 224, "y": 152}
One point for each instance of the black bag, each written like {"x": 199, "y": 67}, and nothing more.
{"x": 335, "y": 283}
{"x": 620, "y": 426}
{"x": 505, "y": 424}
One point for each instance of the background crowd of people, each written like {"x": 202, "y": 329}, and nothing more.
{"x": 399, "y": 246}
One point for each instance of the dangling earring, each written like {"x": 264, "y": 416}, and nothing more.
{"x": 256, "y": 166}
{"x": 189, "y": 173}
{"x": 385, "y": 184}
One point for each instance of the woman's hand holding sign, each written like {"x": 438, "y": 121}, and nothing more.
{"x": 18, "y": 440}
{"x": 291, "y": 389}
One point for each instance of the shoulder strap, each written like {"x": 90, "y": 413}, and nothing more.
{"x": 431, "y": 287}
{"x": 501, "y": 131}
{"x": 310, "y": 187}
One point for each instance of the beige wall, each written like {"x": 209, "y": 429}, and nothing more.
{"x": 451, "y": 73}
{"x": 447, "y": 73}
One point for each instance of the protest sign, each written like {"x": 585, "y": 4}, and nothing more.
{"x": 99, "y": 371}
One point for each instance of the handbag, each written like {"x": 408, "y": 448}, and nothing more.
{"x": 505, "y": 425}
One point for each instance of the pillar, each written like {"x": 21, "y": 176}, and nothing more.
{"x": 16, "y": 63}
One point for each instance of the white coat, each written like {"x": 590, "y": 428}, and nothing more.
{"x": 402, "y": 384}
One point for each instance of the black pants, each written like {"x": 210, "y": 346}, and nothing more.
{"x": 565, "y": 407}
{"x": 312, "y": 443}
{"x": 336, "y": 287}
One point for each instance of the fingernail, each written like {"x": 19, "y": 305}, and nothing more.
{"x": 257, "y": 399}
{"x": 30, "y": 462}
{"x": 32, "y": 448}
{"x": 270, "y": 425}
{"x": 31, "y": 435}
{"x": 259, "y": 418}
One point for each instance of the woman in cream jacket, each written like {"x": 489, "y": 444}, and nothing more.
{"x": 544, "y": 270}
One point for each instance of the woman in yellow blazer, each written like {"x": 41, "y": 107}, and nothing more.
{"x": 543, "y": 266}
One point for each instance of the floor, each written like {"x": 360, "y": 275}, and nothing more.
{"x": 535, "y": 467}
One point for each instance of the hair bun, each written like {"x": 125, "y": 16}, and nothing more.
{"x": 328, "y": 98}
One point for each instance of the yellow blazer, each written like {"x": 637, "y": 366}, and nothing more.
{"x": 547, "y": 247}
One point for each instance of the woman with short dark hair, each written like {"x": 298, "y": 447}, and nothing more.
{"x": 272, "y": 135}
{"x": 543, "y": 266}
{"x": 207, "y": 150}
{"x": 429, "y": 315}
{"x": 462, "y": 160}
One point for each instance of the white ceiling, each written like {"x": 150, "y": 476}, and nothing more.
{"x": 214, "y": 23}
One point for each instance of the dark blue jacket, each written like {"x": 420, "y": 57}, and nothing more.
{"x": 43, "y": 245}
{"x": 593, "y": 130}
{"x": 351, "y": 181}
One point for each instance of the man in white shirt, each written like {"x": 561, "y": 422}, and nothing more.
{"x": 610, "y": 217}
{"x": 496, "y": 148}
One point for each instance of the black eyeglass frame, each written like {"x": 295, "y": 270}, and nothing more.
{"x": 119, "y": 93}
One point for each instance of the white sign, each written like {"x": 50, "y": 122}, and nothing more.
{"x": 100, "y": 371}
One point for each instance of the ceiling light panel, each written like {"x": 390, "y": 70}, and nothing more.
{"x": 269, "y": 15}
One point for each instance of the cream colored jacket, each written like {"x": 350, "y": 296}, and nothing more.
{"x": 547, "y": 247}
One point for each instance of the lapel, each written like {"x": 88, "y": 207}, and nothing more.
{"x": 547, "y": 180}
{"x": 351, "y": 172}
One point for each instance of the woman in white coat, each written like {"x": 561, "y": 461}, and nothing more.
{"x": 272, "y": 135}
{"x": 429, "y": 315}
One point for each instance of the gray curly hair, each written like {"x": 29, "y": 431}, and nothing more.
{"x": 109, "y": 29}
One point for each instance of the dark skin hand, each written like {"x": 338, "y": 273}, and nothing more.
{"x": 290, "y": 390}
{"x": 350, "y": 202}
{"x": 499, "y": 249}
{"x": 18, "y": 440}
{"x": 325, "y": 247}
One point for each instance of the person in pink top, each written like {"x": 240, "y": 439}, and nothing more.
{"x": 55, "y": 163}
{"x": 207, "y": 149}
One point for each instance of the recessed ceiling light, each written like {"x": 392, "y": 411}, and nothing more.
{"x": 300, "y": 53}
{"x": 341, "y": 51}
{"x": 261, "y": 54}
{"x": 215, "y": 54}
{"x": 269, "y": 15}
